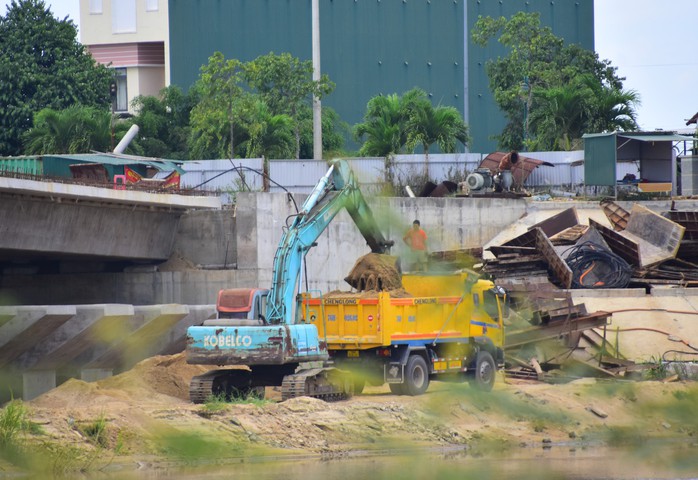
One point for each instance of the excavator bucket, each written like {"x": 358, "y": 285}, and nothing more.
{"x": 375, "y": 271}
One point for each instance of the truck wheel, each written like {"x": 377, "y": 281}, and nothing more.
{"x": 359, "y": 384}
{"x": 396, "y": 388}
{"x": 485, "y": 372}
{"x": 416, "y": 376}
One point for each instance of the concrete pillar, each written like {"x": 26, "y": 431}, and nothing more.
{"x": 28, "y": 326}
{"x": 155, "y": 322}
{"x": 93, "y": 328}
{"x": 37, "y": 382}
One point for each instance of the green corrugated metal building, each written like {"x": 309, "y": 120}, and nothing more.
{"x": 371, "y": 47}
{"x": 59, "y": 165}
{"x": 652, "y": 152}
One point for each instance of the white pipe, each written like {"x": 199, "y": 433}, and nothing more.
{"x": 132, "y": 132}
{"x": 409, "y": 191}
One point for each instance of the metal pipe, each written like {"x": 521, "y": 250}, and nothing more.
{"x": 132, "y": 132}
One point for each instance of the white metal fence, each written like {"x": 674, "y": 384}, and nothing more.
{"x": 300, "y": 176}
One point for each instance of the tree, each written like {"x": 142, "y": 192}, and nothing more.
{"x": 76, "y": 129}
{"x": 164, "y": 123}
{"x": 537, "y": 62}
{"x": 42, "y": 65}
{"x": 214, "y": 119}
{"x": 270, "y": 136}
{"x": 559, "y": 119}
{"x": 333, "y": 132}
{"x": 286, "y": 84}
{"x": 385, "y": 125}
{"x": 428, "y": 125}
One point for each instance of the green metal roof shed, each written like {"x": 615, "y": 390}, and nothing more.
{"x": 652, "y": 151}
{"x": 59, "y": 165}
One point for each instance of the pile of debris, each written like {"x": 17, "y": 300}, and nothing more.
{"x": 642, "y": 249}
{"x": 549, "y": 337}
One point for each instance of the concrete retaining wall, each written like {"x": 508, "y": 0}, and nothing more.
{"x": 248, "y": 236}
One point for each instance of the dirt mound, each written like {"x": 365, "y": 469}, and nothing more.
{"x": 153, "y": 378}
{"x": 375, "y": 272}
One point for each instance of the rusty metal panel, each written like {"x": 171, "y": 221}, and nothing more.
{"x": 554, "y": 330}
{"x": 527, "y": 239}
{"x": 521, "y": 170}
{"x": 689, "y": 220}
{"x": 617, "y": 215}
{"x": 557, "y": 223}
{"x": 569, "y": 236}
{"x": 625, "y": 248}
{"x": 658, "y": 237}
{"x": 562, "y": 271}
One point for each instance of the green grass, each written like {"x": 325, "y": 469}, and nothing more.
{"x": 14, "y": 421}
{"x": 96, "y": 431}
{"x": 217, "y": 403}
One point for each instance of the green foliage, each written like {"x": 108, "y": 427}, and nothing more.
{"x": 214, "y": 119}
{"x": 248, "y": 109}
{"x": 394, "y": 124}
{"x": 334, "y": 130}
{"x": 550, "y": 92}
{"x": 428, "y": 125}
{"x": 96, "y": 431}
{"x": 76, "y": 129}
{"x": 656, "y": 369}
{"x": 286, "y": 84}
{"x": 163, "y": 123}
{"x": 215, "y": 403}
{"x": 13, "y": 421}
{"x": 42, "y": 65}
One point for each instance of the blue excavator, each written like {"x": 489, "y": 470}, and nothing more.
{"x": 256, "y": 332}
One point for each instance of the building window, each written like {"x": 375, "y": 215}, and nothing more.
{"x": 95, "y": 7}
{"x": 120, "y": 103}
{"x": 151, "y": 5}
{"x": 123, "y": 16}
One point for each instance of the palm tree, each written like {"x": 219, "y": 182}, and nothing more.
{"x": 383, "y": 127}
{"x": 440, "y": 125}
{"x": 614, "y": 109}
{"x": 557, "y": 122}
{"x": 76, "y": 129}
{"x": 270, "y": 136}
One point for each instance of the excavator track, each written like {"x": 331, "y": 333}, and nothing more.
{"x": 201, "y": 387}
{"x": 229, "y": 383}
{"x": 328, "y": 384}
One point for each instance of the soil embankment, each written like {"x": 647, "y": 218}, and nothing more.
{"x": 145, "y": 413}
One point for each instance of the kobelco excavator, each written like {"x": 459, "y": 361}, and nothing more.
{"x": 256, "y": 328}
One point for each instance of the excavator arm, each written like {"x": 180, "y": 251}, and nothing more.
{"x": 278, "y": 341}
{"x": 337, "y": 190}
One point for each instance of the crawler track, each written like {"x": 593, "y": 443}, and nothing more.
{"x": 329, "y": 384}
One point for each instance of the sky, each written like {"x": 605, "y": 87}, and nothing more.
{"x": 650, "y": 41}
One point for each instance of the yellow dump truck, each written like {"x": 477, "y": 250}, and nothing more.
{"x": 439, "y": 327}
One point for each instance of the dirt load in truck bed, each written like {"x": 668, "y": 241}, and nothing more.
{"x": 375, "y": 272}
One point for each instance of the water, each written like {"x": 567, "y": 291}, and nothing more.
{"x": 649, "y": 461}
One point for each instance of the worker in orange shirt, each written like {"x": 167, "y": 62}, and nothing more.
{"x": 416, "y": 238}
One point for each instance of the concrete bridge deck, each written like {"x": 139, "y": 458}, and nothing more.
{"x": 40, "y": 220}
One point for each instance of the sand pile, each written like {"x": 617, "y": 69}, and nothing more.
{"x": 152, "y": 379}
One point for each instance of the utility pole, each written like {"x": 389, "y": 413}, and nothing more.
{"x": 317, "y": 107}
